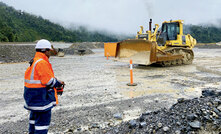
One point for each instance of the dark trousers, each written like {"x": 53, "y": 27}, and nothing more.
{"x": 39, "y": 122}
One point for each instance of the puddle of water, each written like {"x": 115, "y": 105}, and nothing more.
{"x": 155, "y": 76}
{"x": 139, "y": 93}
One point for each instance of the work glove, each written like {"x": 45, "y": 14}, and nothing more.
{"x": 60, "y": 89}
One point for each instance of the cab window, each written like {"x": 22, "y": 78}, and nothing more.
{"x": 171, "y": 30}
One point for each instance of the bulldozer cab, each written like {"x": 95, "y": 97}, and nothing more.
{"x": 172, "y": 30}
{"x": 169, "y": 31}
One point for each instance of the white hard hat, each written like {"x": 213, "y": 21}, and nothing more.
{"x": 43, "y": 44}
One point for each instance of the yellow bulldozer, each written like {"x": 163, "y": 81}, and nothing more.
{"x": 167, "y": 46}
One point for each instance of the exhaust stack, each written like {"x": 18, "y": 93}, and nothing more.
{"x": 150, "y": 24}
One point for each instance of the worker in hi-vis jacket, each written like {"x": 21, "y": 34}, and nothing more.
{"x": 41, "y": 89}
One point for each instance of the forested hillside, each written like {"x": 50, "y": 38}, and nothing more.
{"x": 17, "y": 26}
{"x": 204, "y": 34}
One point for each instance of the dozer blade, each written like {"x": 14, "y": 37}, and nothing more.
{"x": 139, "y": 51}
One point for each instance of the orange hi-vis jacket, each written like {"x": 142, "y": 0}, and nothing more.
{"x": 40, "y": 84}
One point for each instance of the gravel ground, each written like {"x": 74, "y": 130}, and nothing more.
{"x": 15, "y": 53}
{"x": 97, "y": 99}
{"x": 198, "y": 115}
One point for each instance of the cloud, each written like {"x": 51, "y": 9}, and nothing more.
{"x": 120, "y": 16}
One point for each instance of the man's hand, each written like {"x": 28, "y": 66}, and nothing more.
{"x": 60, "y": 89}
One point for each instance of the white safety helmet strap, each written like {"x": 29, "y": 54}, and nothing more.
{"x": 43, "y": 44}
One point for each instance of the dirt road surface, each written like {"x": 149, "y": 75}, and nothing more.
{"x": 96, "y": 90}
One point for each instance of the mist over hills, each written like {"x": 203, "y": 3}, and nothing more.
{"x": 18, "y": 26}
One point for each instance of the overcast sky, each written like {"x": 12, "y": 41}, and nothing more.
{"x": 121, "y": 16}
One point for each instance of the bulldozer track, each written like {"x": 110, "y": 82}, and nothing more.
{"x": 186, "y": 60}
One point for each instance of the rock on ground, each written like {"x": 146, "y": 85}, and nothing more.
{"x": 198, "y": 115}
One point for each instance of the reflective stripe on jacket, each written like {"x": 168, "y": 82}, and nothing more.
{"x": 39, "y": 92}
